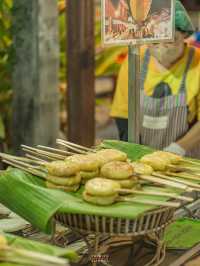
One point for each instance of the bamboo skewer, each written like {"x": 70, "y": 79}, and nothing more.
{"x": 60, "y": 141}
{"x": 79, "y": 151}
{"x": 150, "y": 202}
{"x": 34, "y": 157}
{"x": 165, "y": 182}
{"x": 67, "y": 153}
{"x": 184, "y": 175}
{"x": 49, "y": 155}
{"x": 156, "y": 193}
{"x": 26, "y": 169}
{"x": 194, "y": 186}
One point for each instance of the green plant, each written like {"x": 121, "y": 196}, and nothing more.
{"x": 5, "y": 65}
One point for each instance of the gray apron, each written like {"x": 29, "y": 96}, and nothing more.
{"x": 164, "y": 117}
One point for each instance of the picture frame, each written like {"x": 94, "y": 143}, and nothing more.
{"x": 132, "y": 22}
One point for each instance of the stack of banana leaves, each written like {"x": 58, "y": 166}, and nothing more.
{"x": 28, "y": 196}
{"x": 19, "y": 251}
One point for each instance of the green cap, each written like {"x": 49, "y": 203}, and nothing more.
{"x": 182, "y": 19}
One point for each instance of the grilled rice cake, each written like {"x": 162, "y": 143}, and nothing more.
{"x": 108, "y": 155}
{"x": 67, "y": 181}
{"x": 62, "y": 168}
{"x": 101, "y": 187}
{"x": 98, "y": 200}
{"x": 117, "y": 170}
{"x": 88, "y": 162}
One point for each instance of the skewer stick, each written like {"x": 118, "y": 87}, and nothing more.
{"x": 164, "y": 182}
{"x": 75, "y": 145}
{"x": 155, "y": 193}
{"x": 45, "y": 153}
{"x": 150, "y": 202}
{"x": 4, "y": 155}
{"x": 182, "y": 168}
{"x": 184, "y": 175}
{"x": 191, "y": 162}
{"x": 67, "y": 153}
{"x": 28, "y": 165}
{"x": 29, "y": 170}
{"x": 40, "y": 155}
{"x": 77, "y": 150}
{"x": 34, "y": 158}
{"x": 194, "y": 186}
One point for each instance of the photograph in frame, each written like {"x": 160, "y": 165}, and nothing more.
{"x": 126, "y": 22}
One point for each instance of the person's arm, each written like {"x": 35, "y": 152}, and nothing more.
{"x": 191, "y": 139}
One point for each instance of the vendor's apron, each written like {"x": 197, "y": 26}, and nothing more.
{"x": 164, "y": 117}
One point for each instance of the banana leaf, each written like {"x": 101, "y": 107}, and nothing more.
{"x": 182, "y": 234}
{"x": 22, "y": 243}
{"x": 27, "y": 196}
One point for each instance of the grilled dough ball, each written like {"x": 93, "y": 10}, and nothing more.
{"x": 98, "y": 200}
{"x": 65, "y": 188}
{"x": 174, "y": 158}
{"x": 157, "y": 163}
{"x": 86, "y": 162}
{"x": 68, "y": 181}
{"x": 142, "y": 169}
{"x": 117, "y": 170}
{"x": 109, "y": 155}
{"x": 62, "y": 168}
{"x": 101, "y": 187}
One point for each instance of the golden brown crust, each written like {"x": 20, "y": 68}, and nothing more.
{"x": 62, "y": 168}
{"x": 142, "y": 169}
{"x": 174, "y": 158}
{"x": 101, "y": 187}
{"x": 117, "y": 170}
{"x": 157, "y": 163}
{"x": 87, "y": 162}
{"x": 108, "y": 155}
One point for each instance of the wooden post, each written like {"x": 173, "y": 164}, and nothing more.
{"x": 35, "y": 74}
{"x": 134, "y": 95}
{"x": 80, "y": 71}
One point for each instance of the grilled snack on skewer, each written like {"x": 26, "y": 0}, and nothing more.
{"x": 85, "y": 175}
{"x": 141, "y": 168}
{"x": 157, "y": 163}
{"x": 108, "y": 155}
{"x": 129, "y": 183}
{"x": 61, "y": 168}
{"x": 98, "y": 200}
{"x": 104, "y": 192}
{"x": 68, "y": 181}
{"x": 88, "y": 162}
{"x": 174, "y": 158}
{"x": 101, "y": 187}
{"x": 117, "y": 170}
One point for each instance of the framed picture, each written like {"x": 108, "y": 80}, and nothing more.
{"x": 126, "y": 22}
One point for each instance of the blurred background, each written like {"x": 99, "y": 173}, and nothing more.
{"x": 38, "y": 71}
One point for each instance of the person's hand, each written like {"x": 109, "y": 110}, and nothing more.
{"x": 175, "y": 148}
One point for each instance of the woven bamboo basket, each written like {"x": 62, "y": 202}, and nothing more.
{"x": 147, "y": 223}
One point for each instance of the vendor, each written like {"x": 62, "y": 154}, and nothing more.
{"x": 170, "y": 93}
